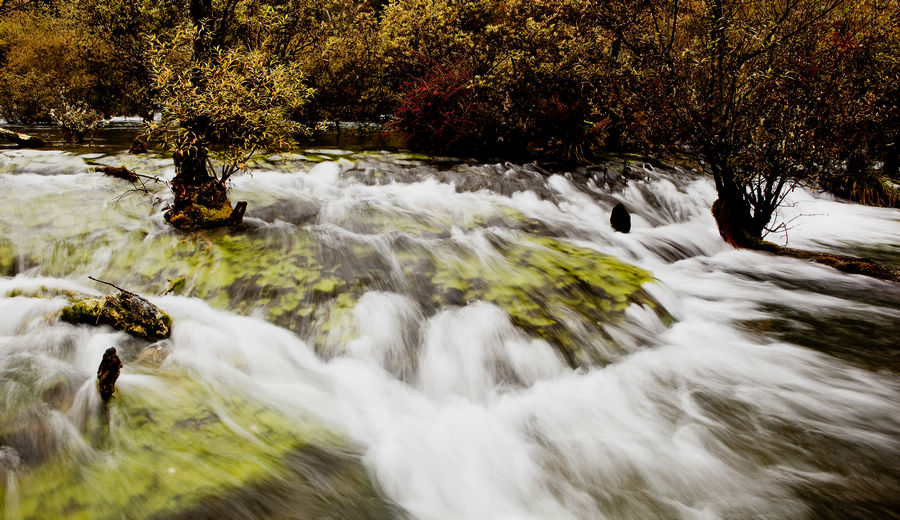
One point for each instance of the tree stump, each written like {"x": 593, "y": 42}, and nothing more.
{"x": 108, "y": 373}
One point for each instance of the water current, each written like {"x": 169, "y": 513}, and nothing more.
{"x": 391, "y": 335}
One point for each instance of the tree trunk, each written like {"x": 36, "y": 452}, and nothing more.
{"x": 201, "y": 200}
{"x": 737, "y": 225}
{"x": 891, "y": 158}
{"x": 742, "y": 229}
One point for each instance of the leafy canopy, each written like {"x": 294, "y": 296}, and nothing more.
{"x": 234, "y": 103}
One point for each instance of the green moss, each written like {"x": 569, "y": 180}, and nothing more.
{"x": 544, "y": 285}
{"x": 125, "y": 311}
{"x": 7, "y": 258}
{"x": 199, "y": 216}
{"x": 45, "y": 292}
{"x": 175, "y": 447}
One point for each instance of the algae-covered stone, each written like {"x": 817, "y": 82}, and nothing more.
{"x": 7, "y": 258}
{"x": 549, "y": 288}
{"x": 125, "y": 311}
{"x": 173, "y": 448}
{"x": 199, "y": 216}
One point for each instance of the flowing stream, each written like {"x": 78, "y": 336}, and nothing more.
{"x": 392, "y": 335}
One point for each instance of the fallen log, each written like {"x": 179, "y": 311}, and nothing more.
{"x": 22, "y": 140}
{"x": 120, "y": 172}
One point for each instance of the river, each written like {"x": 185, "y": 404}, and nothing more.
{"x": 394, "y": 335}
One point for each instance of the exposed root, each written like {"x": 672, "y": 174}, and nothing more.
{"x": 847, "y": 264}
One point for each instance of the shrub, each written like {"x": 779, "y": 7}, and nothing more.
{"x": 77, "y": 120}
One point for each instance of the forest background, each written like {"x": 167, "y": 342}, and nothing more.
{"x": 762, "y": 96}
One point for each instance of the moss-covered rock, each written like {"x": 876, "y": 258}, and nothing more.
{"x": 7, "y": 258}
{"x": 125, "y": 311}
{"x": 198, "y": 216}
{"x": 177, "y": 449}
{"x": 549, "y": 288}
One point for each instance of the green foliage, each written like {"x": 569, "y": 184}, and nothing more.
{"x": 336, "y": 43}
{"x": 499, "y": 75}
{"x": 116, "y": 33}
{"x": 42, "y": 66}
{"x": 77, "y": 120}
{"x": 235, "y": 102}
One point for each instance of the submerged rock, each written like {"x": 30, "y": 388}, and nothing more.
{"x": 120, "y": 172}
{"x": 180, "y": 449}
{"x": 125, "y": 311}
{"x": 620, "y": 219}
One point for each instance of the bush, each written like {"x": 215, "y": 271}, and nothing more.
{"x": 442, "y": 111}
{"x": 515, "y": 74}
{"x": 77, "y": 120}
{"x": 244, "y": 105}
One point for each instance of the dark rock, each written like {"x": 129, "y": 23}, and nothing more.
{"x": 125, "y": 311}
{"x": 108, "y": 373}
{"x": 620, "y": 219}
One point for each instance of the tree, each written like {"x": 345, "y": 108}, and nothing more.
{"x": 741, "y": 89}
{"x": 117, "y": 35}
{"x": 732, "y": 86}
{"x": 221, "y": 99}
{"x": 507, "y": 76}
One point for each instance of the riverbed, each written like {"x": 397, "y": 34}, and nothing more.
{"x": 396, "y": 335}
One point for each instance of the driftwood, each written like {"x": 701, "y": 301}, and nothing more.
{"x": 125, "y": 311}
{"x": 120, "y": 172}
{"x": 108, "y": 373}
{"x": 23, "y": 140}
{"x": 620, "y": 219}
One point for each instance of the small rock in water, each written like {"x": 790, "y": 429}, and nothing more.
{"x": 9, "y": 459}
{"x": 108, "y": 373}
{"x": 620, "y": 219}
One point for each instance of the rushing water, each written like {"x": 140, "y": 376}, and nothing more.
{"x": 411, "y": 324}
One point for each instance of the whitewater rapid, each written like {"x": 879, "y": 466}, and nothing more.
{"x": 460, "y": 414}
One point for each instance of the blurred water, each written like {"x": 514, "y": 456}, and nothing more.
{"x": 745, "y": 385}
